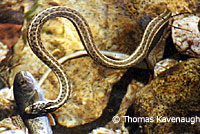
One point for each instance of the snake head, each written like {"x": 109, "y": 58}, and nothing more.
{"x": 37, "y": 108}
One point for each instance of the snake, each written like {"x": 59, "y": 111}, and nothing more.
{"x": 86, "y": 37}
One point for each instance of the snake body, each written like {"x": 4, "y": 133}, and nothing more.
{"x": 86, "y": 37}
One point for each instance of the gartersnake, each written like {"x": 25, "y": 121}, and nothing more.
{"x": 86, "y": 37}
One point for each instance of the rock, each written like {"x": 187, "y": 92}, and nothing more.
{"x": 186, "y": 35}
{"x": 175, "y": 94}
